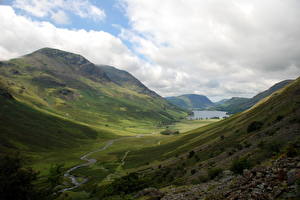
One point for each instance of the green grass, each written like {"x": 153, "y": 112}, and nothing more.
{"x": 110, "y": 159}
{"x": 93, "y": 99}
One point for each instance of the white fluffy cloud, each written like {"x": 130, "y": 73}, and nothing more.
{"x": 20, "y": 35}
{"x": 213, "y": 47}
{"x": 217, "y": 48}
{"x": 55, "y": 9}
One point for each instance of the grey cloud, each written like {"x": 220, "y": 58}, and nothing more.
{"x": 245, "y": 46}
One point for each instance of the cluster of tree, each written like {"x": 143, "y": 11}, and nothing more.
{"x": 169, "y": 132}
{"x": 23, "y": 183}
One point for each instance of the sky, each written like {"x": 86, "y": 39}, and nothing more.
{"x": 218, "y": 48}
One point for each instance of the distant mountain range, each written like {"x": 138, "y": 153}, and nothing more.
{"x": 190, "y": 101}
{"x": 232, "y": 105}
{"x": 238, "y": 104}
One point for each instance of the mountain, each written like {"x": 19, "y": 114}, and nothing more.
{"x": 232, "y": 105}
{"x": 125, "y": 79}
{"x": 23, "y": 127}
{"x": 238, "y": 104}
{"x": 68, "y": 85}
{"x": 221, "y": 102}
{"x": 264, "y": 138}
{"x": 190, "y": 101}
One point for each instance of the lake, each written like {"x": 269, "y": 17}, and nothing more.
{"x": 203, "y": 114}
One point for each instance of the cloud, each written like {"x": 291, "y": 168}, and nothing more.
{"x": 216, "y": 48}
{"x": 56, "y": 9}
{"x": 21, "y": 35}
{"x": 60, "y": 17}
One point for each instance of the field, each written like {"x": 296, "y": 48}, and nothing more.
{"x": 117, "y": 160}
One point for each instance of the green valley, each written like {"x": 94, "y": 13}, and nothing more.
{"x": 97, "y": 132}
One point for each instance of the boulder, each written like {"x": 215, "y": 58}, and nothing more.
{"x": 5, "y": 94}
{"x": 151, "y": 192}
{"x": 291, "y": 177}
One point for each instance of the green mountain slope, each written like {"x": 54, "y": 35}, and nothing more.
{"x": 125, "y": 79}
{"x": 232, "y": 105}
{"x": 263, "y": 131}
{"x": 24, "y": 128}
{"x": 69, "y": 85}
{"x": 190, "y": 101}
{"x": 238, "y": 104}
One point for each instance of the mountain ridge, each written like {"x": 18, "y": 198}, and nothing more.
{"x": 68, "y": 84}
{"x": 239, "y": 104}
{"x": 190, "y": 101}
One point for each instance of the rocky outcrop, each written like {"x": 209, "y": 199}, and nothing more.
{"x": 151, "y": 193}
{"x": 280, "y": 180}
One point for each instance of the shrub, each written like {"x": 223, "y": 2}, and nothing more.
{"x": 197, "y": 158}
{"x": 16, "y": 182}
{"x": 247, "y": 144}
{"x": 279, "y": 118}
{"x": 203, "y": 179}
{"x": 261, "y": 144}
{"x": 254, "y": 126}
{"x": 169, "y": 132}
{"x": 55, "y": 176}
{"x": 124, "y": 185}
{"x": 193, "y": 171}
{"x": 238, "y": 146}
{"x": 214, "y": 172}
{"x": 273, "y": 147}
{"x": 191, "y": 154}
{"x": 291, "y": 151}
{"x": 239, "y": 165}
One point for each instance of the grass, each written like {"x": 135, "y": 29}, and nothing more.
{"x": 110, "y": 159}
{"x": 209, "y": 146}
{"x": 49, "y": 128}
{"x": 97, "y": 103}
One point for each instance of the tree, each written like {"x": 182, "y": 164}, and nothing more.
{"x": 55, "y": 176}
{"x": 16, "y": 182}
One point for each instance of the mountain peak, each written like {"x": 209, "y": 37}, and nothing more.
{"x": 70, "y": 58}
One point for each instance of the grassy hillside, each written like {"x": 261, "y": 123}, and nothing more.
{"x": 238, "y": 104}
{"x": 232, "y": 105}
{"x": 68, "y": 85}
{"x": 190, "y": 101}
{"x": 125, "y": 79}
{"x": 266, "y": 130}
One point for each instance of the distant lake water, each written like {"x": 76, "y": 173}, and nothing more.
{"x": 203, "y": 114}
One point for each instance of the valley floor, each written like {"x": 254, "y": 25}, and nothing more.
{"x": 113, "y": 157}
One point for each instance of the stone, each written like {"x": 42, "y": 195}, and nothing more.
{"x": 291, "y": 177}
{"x": 151, "y": 192}
{"x": 247, "y": 173}
{"x": 227, "y": 173}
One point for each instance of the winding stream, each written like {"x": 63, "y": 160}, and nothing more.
{"x": 90, "y": 161}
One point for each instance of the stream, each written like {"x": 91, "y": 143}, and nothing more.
{"x": 90, "y": 161}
